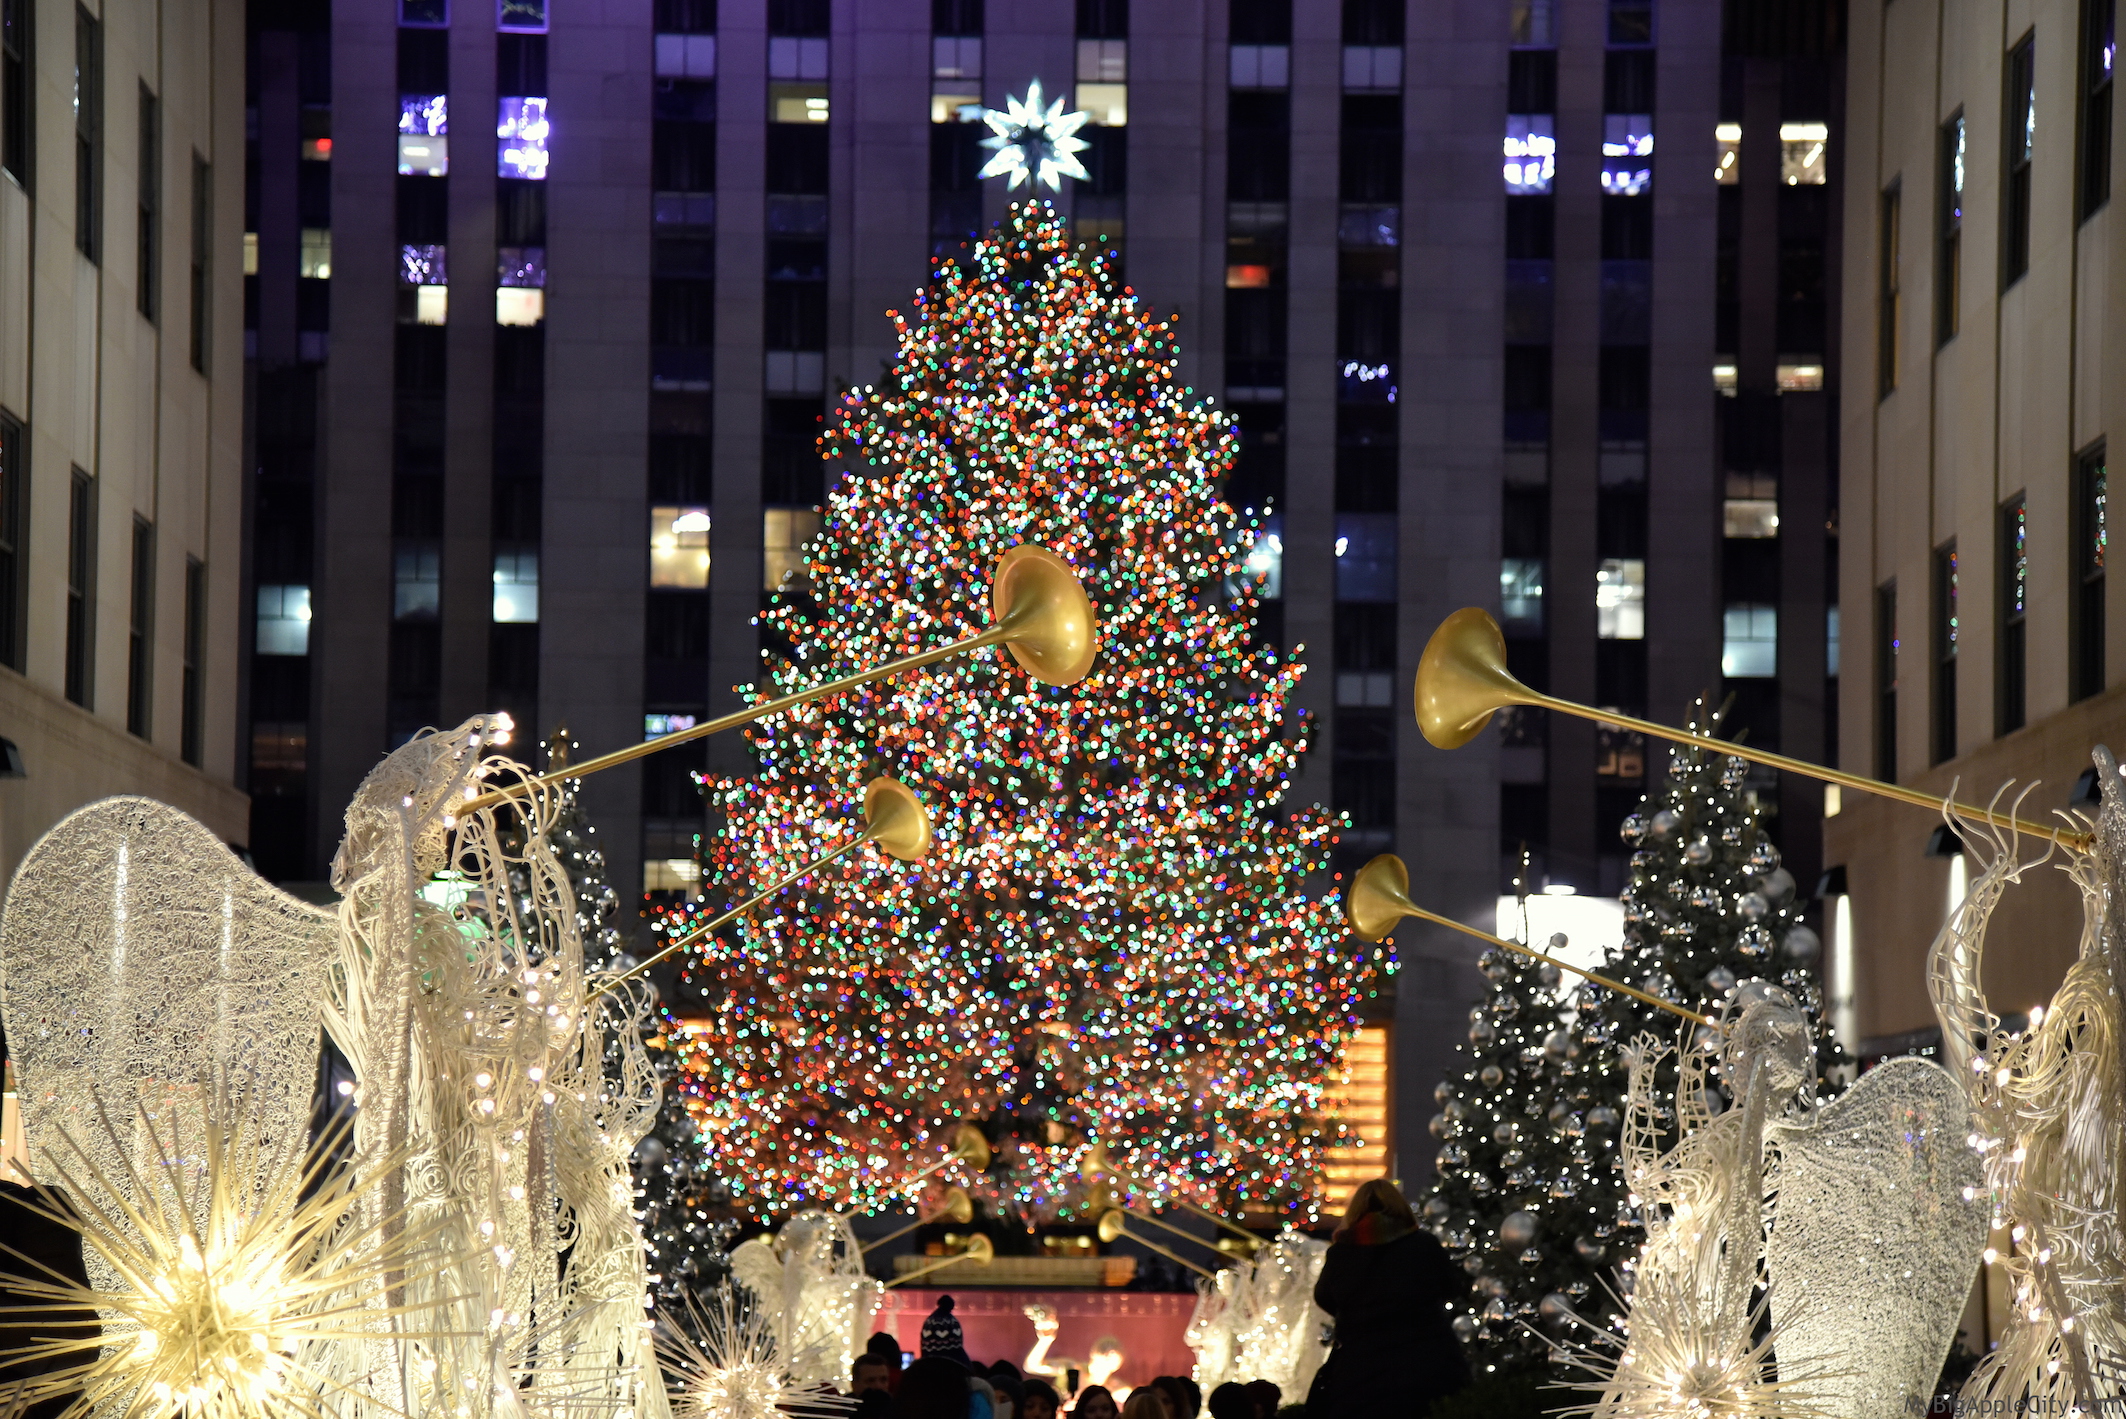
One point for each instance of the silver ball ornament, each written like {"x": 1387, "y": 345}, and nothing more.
{"x": 1752, "y": 906}
{"x": 1720, "y": 980}
{"x": 1517, "y": 1229}
{"x": 1588, "y": 1249}
{"x": 1663, "y": 824}
{"x": 1777, "y": 886}
{"x": 1698, "y": 853}
{"x": 1754, "y": 941}
{"x": 1800, "y": 945}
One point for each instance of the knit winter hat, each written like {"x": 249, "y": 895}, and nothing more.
{"x": 941, "y": 1333}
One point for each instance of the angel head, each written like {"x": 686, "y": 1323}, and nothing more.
{"x": 414, "y": 789}
{"x": 1765, "y": 1044}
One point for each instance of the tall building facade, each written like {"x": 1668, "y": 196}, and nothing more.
{"x": 121, "y": 410}
{"x": 550, "y": 444}
{"x": 1984, "y": 381}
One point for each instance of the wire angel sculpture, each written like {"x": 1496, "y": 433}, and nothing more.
{"x": 141, "y": 961}
{"x": 1800, "y": 1262}
{"x": 809, "y": 1283}
{"x": 722, "y": 1360}
{"x": 511, "y": 1081}
{"x": 2048, "y": 1112}
{"x": 1258, "y": 1320}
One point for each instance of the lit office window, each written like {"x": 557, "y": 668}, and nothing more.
{"x": 1802, "y": 147}
{"x": 284, "y": 620}
{"x": 1727, "y": 167}
{"x": 315, "y": 254}
{"x": 1749, "y": 642}
{"x": 521, "y": 131}
{"x": 517, "y": 586}
{"x": 1531, "y": 152}
{"x": 1521, "y": 594}
{"x": 783, "y": 535}
{"x": 1620, "y": 599}
{"x": 1627, "y": 153}
{"x": 416, "y": 581}
{"x": 424, "y": 135}
{"x": 679, "y": 547}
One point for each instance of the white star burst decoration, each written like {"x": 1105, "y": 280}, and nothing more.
{"x": 1032, "y": 143}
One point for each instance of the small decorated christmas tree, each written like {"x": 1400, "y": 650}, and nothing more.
{"x": 1527, "y": 1188}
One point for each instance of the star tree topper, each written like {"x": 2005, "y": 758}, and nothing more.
{"x": 1032, "y": 143}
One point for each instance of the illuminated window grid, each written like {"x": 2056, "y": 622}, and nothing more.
{"x": 1360, "y": 1101}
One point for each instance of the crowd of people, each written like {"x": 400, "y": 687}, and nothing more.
{"x": 945, "y": 1384}
{"x": 1386, "y": 1284}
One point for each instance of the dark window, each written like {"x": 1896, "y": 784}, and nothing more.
{"x": 1372, "y": 155}
{"x": 1886, "y": 682}
{"x": 1628, "y": 81}
{"x": 193, "y": 727}
{"x": 1887, "y": 306}
{"x": 797, "y": 158}
{"x": 81, "y": 590}
{"x": 791, "y": 472}
{"x": 1527, "y": 393}
{"x": 2014, "y": 571}
{"x": 17, "y": 113}
{"x": 795, "y": 314}
{"x": 1261, "y": 21}
{"x": 140, "y": 634}
{"x": 424, "y": 61}
{"x": 14, "y": 545}
{"x": 1631, "y": 22}
{"x": 797, "y": 17}
{"x": 202, "y": 262}
{"x": 1627, "y": 227}
{"x": 1370, "y": 21}
{"x": 1103, "y": 19}
{"x": 2094, "y": 137}
{"x": 2018, "y": 136}
{"x": 88, "y": 134}
{"x": 149, "y": 248}
{"x": 956, "y": 17}
{"x": 686, "y": 16}
{"x": 1258, "y": 155}
{"x": 520, "y": 64}
{"x": 1531, "y": 226}
{"x": 1944, "y": 652}
{"x": 1106, "y": 159}
{"x": 1532, "y": 81}
{"x": 682, "y": 136}
{"x": 2090, "y": 535}
{"x": 1949, "y": 230}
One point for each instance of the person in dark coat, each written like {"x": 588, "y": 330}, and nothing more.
{"x": 1387, "y": 1284}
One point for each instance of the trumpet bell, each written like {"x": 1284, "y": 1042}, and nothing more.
{"x": 894, "y": 819}
{"x": 1114, "y": 1225}
{"x": 1379, "y": 897}
{"x": 1462, "y": 679}
{"x": 970, "y": 1147}
{"x": 1038, "y": 600}
{"x": 958, "y": 1206}
{"x": 980, "y": 1250}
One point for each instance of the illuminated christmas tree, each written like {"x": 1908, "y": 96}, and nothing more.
{"x": 1109, "y": 942}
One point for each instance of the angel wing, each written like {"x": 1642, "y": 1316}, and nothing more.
{"x": 1874, "y": 1242}
{"x": 139, "y": 955}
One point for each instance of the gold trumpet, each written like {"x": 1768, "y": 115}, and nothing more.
{"x": 968, "y": 1146}
{"x": 1098, "y": 1163}
{"x": 979, "y": 1250}
{"x": 1380, "y": 897}
{"x": 1462, "y": 680}
{"x": 958, "y": 1207}
{"x": 1114, "y": 1226}
{"x": 893, "y": 818}
{"x": 1040, "y": 614}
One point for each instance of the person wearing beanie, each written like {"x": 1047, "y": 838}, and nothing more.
{"x": 942, "y": 1335}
